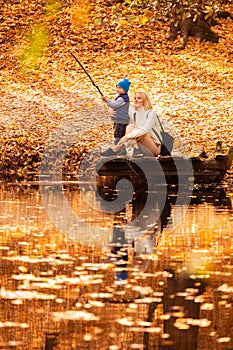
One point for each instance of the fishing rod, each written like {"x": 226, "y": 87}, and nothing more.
{"x": 93, "y": 83}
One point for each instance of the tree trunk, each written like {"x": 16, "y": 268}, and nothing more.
{"x": 191, "y": 26}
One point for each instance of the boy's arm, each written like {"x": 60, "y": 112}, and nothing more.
{"x": 116, "y": 103}
{"x": 104, "y": 98}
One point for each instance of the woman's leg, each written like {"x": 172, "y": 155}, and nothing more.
{"x": 149, "y": 143}
{"x": 129, "y": 128}
{"x": 146, "y": 140}
{"x": 123, "y": 140}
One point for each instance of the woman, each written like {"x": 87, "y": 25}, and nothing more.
{"x": 141, "y": 132}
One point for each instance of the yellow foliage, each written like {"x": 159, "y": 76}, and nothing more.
{"x": 144, "y": 19}
{"x": 79, "y": 14}
{"x": 33, "y": 50}
{"x": 123, "y": 22}
{"x": 52, "y": 7}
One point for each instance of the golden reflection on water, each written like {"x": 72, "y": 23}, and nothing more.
{"x": 58, "y": 294}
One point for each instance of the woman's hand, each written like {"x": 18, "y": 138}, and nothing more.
{"x": 124, "y": 138}
{"x": 121, "y": 142}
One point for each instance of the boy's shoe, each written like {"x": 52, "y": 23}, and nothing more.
{"x": 137, "y": 153}
{"x": 108, "y": 153}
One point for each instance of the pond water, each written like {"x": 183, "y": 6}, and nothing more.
{"x": 76, "y": 274}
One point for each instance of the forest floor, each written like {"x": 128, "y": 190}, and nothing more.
{"x": 191, "y": 88}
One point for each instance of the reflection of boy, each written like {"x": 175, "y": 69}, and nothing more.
{"x": 121, "y": 109}
{"x": 119, "y": 252}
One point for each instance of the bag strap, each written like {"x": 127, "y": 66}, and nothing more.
{"x": 155, "y": 132}
{"x": 160, "y": 123}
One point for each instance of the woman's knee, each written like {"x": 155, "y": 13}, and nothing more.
{"x": 129, "y": 128}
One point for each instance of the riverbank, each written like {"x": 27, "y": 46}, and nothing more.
{"x": 190, "y": 88}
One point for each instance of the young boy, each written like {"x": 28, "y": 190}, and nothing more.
{"x": 121, "y": 108}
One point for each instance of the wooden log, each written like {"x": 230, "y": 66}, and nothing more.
{"x": 203, "y": 170}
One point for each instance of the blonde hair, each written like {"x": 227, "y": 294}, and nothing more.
{"x": 146, "y": 100}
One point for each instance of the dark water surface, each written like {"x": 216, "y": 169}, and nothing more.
{"x": 135, "y": 284}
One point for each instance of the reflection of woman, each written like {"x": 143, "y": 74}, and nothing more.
{"x": 139, "y": 133}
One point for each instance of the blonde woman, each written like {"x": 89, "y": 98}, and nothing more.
{"x": 140, "y": 132}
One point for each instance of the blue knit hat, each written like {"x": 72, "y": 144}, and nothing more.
{"x": 124, "y": 84}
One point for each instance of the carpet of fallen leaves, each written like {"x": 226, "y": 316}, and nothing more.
{"x": 191, "y": 88}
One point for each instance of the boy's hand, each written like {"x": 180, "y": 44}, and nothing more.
{"x": 104, "y": 98}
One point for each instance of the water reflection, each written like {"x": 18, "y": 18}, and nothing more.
{"x": 151, "y": 286}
